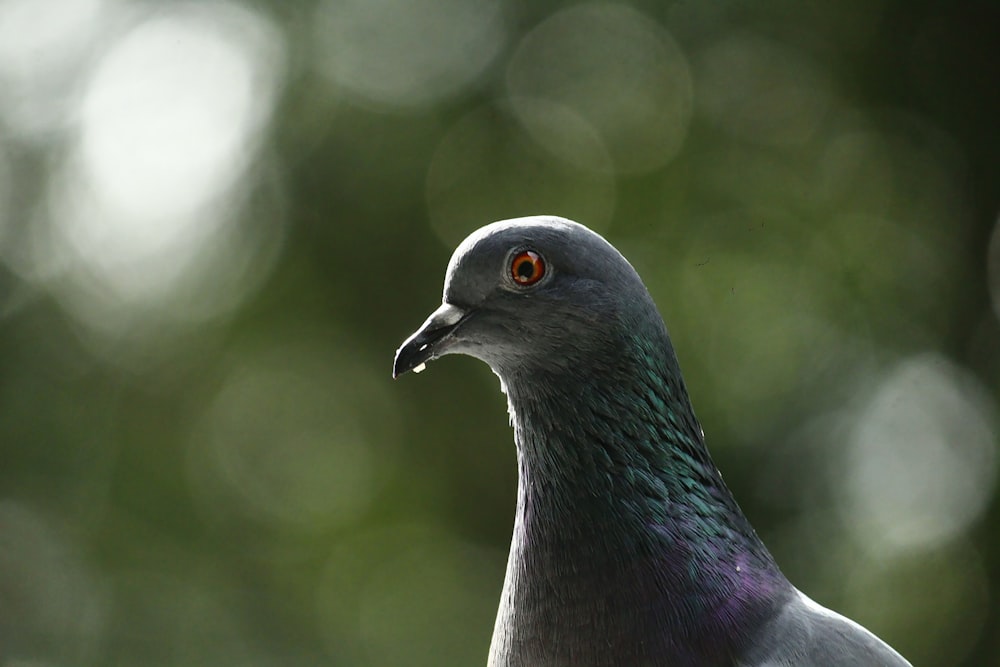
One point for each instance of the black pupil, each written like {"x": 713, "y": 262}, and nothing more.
{"x": 526, "y": 269}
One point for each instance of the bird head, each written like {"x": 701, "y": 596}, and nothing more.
{"x": 532, "y": 292}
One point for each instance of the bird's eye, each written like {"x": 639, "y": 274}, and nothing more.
{"x": 527, "y": 268}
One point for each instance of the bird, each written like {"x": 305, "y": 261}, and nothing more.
{"x": 628, "y": 549}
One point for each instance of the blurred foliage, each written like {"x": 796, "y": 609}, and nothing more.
{"x": 219, "y": 219}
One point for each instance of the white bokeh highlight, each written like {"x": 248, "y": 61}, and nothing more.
{"x": 920, "y": 465}
{"x": 405, "y": 55}
{"x": 166, "y": 124}
{"x": 144, "y": 209}
{"x": 616, "y": 68}
{"x": 44, "y": 47}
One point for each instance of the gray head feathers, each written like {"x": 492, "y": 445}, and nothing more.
{"x": 588, "y": 290}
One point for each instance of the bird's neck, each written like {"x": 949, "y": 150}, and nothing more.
{"x": 622, "y": 518}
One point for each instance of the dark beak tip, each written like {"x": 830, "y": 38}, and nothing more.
{"x": 397, "y": 369}
{"x": 411, "y": 356}
{"x": 428, "y": 342}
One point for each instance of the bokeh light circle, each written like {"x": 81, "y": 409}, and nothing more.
{"x": 487, "y": 167}
{"x": 145, "y": 220}
{"x": 615, "y": 67}
{"x": 921, "y": 463}
{"x": 399, "y": 54}
{"x": 288, "y": 438}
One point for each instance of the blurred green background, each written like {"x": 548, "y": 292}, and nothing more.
{"x": 219, "y": 219}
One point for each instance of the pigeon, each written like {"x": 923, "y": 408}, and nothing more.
{"x": 628, "y": 549}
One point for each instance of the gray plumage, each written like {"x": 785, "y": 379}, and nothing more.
{"x": 628, "y": 549}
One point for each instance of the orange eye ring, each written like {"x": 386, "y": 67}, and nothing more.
{"x": 527, "y": 268}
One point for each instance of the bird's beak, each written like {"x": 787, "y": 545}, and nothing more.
{"x": 427, "y": 342}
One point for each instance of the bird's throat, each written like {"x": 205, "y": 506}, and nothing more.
{"x": 624, "y": 527}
